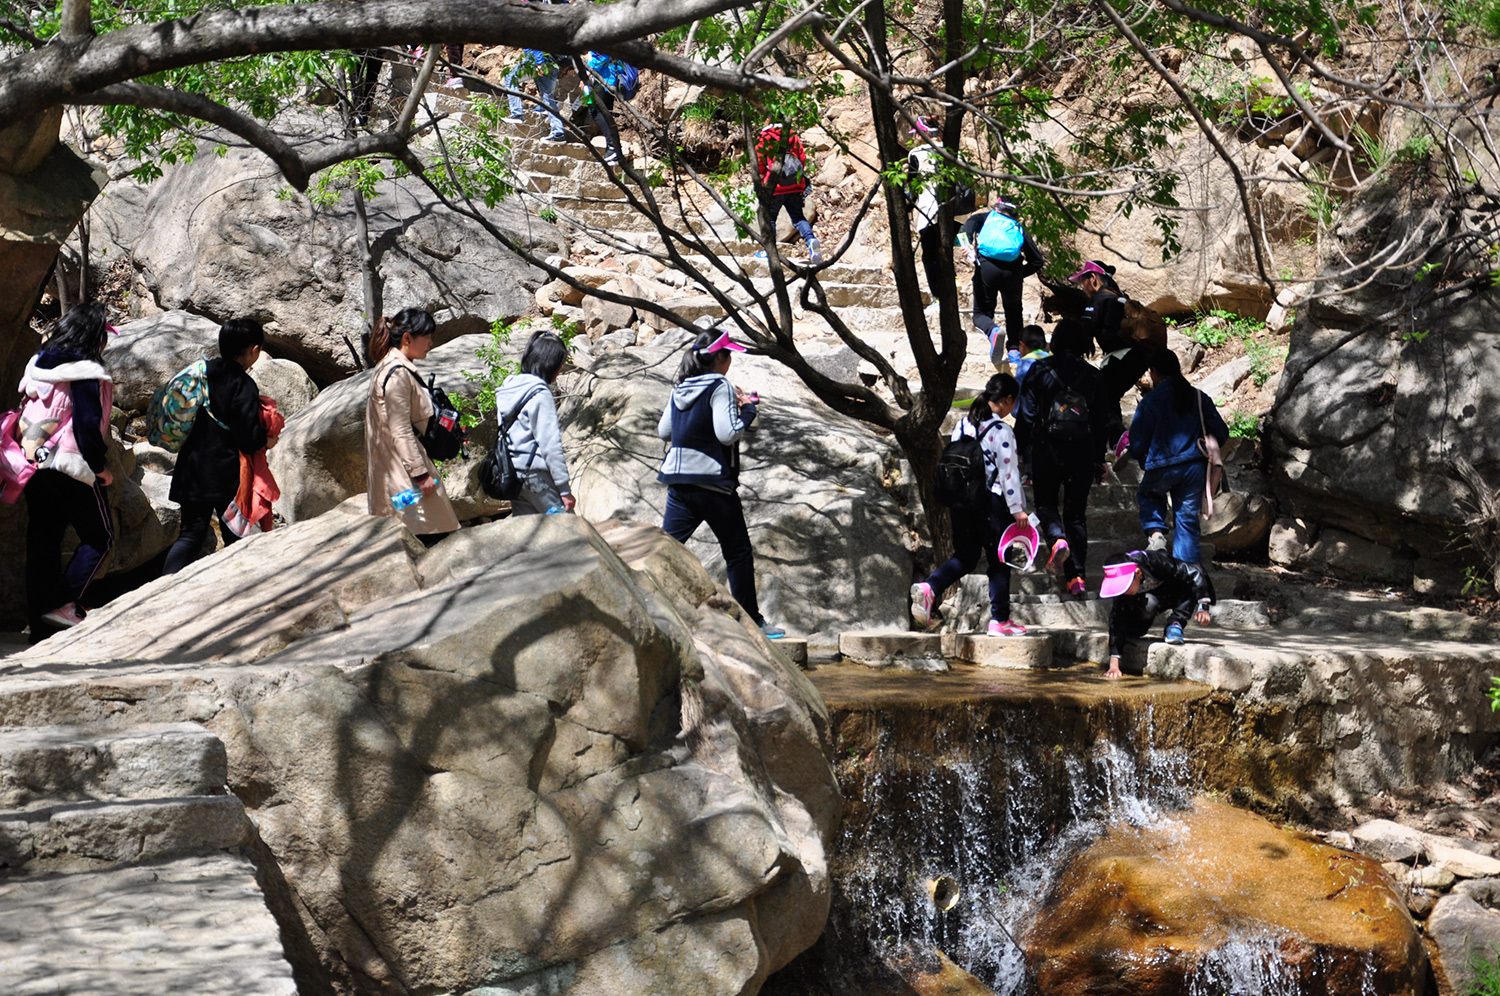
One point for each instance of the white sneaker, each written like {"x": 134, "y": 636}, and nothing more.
{"x": 814, "y": 251}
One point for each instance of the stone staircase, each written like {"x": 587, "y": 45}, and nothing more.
{"x": 564, "y": 181}
{"x": 122, "y": 868}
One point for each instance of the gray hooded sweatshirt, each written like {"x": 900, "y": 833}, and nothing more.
{"x": 535, "y": 437}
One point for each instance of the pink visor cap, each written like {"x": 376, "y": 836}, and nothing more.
{"x": 1089, "y": 267}
{"x": 1117, "y": 579}
{"x": 722, "y": 342}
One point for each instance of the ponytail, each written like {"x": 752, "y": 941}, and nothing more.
{"x": 389, "y": 332}
{"x": 695, "y": 363}
{"x": 997, "y": 389}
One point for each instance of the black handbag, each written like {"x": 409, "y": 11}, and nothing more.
{"x": 497, "y": 471}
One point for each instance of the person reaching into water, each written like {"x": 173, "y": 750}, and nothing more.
{"x": 1144, "y": 585}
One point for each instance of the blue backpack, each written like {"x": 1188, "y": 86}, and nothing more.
{"x": 1001, "y": 238}
{"x": 627, "y": 80}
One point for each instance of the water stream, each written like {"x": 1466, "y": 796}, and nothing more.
{"x": 979, "y": 807}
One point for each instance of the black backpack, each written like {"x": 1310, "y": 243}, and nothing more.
{"x": 497, "y": 472}
{"x": 443, "y": 437}
{"x": 962, "y": 479}
{"x": 1067, "y": 418}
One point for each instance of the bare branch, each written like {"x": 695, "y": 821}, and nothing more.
{"x": 77, "y": 20}
{"x": 66, "y": 69}
{"x": 297, "y": 168}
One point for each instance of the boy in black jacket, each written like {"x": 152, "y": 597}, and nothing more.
{"x": 207, "y": 474}
{"x": 1145, "y": 584}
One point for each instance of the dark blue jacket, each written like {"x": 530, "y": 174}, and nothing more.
{"x": 1161, "y": 436}
{"x": 703, "y": 421}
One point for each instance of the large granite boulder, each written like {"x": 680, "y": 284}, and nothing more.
{"x": 829, "y": 537}
{"x": 225, "y": 237}
{"x": 1217, "y": 899}
{"x": 1369, "y": 419}
{"x": 532, "y": 759}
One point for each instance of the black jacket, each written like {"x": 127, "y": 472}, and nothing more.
{"x": 1178, "y": 586}
{"x": 208, "y": 466}
{"x": 1102, "y": 317}
{"x": 1044, "y": 382}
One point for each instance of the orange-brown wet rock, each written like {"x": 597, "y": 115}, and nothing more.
{"x": 1215, "y": 897}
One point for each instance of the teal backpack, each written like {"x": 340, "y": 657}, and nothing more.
{"x": 174, "y": 407}
{"x": 1001, "y": 238}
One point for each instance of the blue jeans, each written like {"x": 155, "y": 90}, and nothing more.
{"x": 546, "y": 88}
{"x": 1183, "y": 483}
{"x": 688, "y": 507}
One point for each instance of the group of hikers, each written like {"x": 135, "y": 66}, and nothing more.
{"x": 54, "y": 449}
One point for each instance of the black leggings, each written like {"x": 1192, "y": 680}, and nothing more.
{"x": 992, "y": 280}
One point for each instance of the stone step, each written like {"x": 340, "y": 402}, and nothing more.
{"x": 890, "y": 648}
{"x": 56, "y": 764}
{"x": 122, "y": 832}
{"x": 1052, "y": 612}
{"x": 192, "y": 925}
{"x": 1017, "y": 652}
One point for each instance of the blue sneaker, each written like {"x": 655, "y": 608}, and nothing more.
{"x": 1174, "y": 634}
{"x": 771, "y": 631}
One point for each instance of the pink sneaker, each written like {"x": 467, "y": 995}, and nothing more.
{"x": 1076, "y": 587}
{"x": 921, "y": 603}
{"x": 1059, "y": 554}
{"x": 64, "y": 615}
{"x": 1123, "y": 444}
{"x": 1007, "y": 628}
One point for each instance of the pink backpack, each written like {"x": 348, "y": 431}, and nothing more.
{"x": 26, "y": 439}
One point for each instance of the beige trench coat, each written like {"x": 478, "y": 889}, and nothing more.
{"x": 399, "y": 402}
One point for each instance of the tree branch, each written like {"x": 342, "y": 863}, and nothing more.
{"x": 1205, "y": 127}
{"x": 77, "y": 20}
{"x": 297, "y": 168}
{"x": 66, "y": 69}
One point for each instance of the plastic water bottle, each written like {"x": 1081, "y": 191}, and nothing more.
{"x": 406, "y": 499}
{"x": 556, "y": 509}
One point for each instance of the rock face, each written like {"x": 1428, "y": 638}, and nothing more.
{"x": 1368, "y": 422}
{"x": 222, "y": 240}
{"x": 147, "y": 353}
{"x": 1216, "y": 899}
{"x": 826, "y": 531}
{"x": 532, "y": 759}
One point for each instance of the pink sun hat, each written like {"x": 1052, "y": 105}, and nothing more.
{"x": 1089, "y": 267}
{"x": 1117, "y": 579}
{"x": 722, "y": 342}
{"x": 1024, "y": 537}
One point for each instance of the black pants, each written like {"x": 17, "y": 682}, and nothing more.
{"x": 930, "y": 240}
{"x": 1119, "y": 376}
{"x": 189, "y": 545}
{"x": 1069, "y": 471}
{"x": 689, "y": 507}
{"x": 976, "y": 537}
{"x": 55, "y": 501}
{"x": 992, "y": 280}
{"x": 604, "y": 101}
